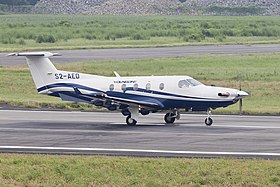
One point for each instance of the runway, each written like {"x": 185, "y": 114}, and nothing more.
{"x": 104, "y": 133}
{"x": 141, "y": 53}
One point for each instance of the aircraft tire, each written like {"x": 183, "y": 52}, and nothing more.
{"x": 208, "y": 121}
{"x": 169, "y": 118}
{"x": 130, "y": 121}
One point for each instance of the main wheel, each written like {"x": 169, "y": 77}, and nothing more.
{"x": 169, "y": 118}
{"x": 208, "y": 121}
{"x": 130, "y": 121}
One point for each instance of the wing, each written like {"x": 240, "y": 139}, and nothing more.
{"x": 146, "y": 102}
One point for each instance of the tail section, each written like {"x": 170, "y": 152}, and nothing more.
{"x": 42, "y": 69}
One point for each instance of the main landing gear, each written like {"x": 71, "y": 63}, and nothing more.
{"x": 131, "y": 115}
{"x": 209, "y": 120}
{"x": 130, "y": 121}
{"x": 170, "y": 117}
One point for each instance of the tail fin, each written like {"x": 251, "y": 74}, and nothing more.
{"x": 41, "y": 67}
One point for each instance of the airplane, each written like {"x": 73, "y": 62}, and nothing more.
{"x": 129, "y": 95}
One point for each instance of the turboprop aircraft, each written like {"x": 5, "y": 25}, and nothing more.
{"x": 129, "y": 95}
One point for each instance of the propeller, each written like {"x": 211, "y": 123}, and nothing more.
{"x": 240, "y": 100}
{"x": 241, "y": 94}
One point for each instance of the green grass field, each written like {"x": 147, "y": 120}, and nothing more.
{"x": 260, "y": 75}
{"x": 36, "y": 32}
{"x": 47, "y": 170}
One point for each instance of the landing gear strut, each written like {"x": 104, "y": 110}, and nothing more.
{"x": 130, "y": 121}
{"x": 209, "y": 120}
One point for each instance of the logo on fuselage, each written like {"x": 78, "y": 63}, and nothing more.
{"x": 124, "y": 82}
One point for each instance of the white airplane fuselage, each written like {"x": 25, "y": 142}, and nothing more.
{"x": 130, "y": 95}
{"x": 169, "y": 96}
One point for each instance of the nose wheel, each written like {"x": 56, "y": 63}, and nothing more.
{"x": 209, "y": 120}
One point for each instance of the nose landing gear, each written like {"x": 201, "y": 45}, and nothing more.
{"x": 209, "y": 120}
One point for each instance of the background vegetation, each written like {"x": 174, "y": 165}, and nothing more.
{"x": 17, "y": 5}
{"x": 259, "y": 74}
{"x": 25, "y": 32}
{"x": 221, "y": 10}
{"x": 30, "y": 170}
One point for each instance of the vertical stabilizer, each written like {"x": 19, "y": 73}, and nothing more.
{"x": 42, "y": 69}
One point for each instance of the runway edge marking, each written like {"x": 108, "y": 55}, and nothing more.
{"x": 141, "y": 151}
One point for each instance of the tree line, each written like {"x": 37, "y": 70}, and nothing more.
{"x": 12, "y": 3}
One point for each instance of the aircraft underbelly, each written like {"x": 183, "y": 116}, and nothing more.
{"x": 195, "y": 105}
{"x": 186, "y": 103}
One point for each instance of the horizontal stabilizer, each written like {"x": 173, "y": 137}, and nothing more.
{"x": 88, "y": 93}
{"x": 35, "y": 54}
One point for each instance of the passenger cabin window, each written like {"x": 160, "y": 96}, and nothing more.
{"x": 123, "y": 87}
{"x": 135, "y": 87}
{"x": 148, "y": 86}
{"x": 161, "y": 86}
{"x": 183, "y": 84}
{"x": 111, "y": 87}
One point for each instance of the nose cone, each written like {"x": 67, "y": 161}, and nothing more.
{"x": 242, "y": 94}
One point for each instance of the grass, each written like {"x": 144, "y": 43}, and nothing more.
{"x": 260, "y": 75}
{"x": 37, "y": 32}
{"x": 47, "y": 170}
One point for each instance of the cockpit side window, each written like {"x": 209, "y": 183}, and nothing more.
{"x": 183, "y": 84}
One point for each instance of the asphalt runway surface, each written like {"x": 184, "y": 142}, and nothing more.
{"x": 140, "y": 53}
{"x": 104, "y": 133}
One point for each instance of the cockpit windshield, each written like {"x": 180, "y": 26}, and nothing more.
{"x": 194, "y": 82}
{"x": 188, "y": 83}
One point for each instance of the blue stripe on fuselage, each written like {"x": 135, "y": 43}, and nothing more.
{"x": 68, "y": 85}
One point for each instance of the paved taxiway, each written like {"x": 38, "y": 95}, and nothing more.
{"x": 106, "y": 133}
{"x": 139, "y": 53}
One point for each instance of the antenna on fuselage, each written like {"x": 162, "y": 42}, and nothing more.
{"x": 116, "y": 74}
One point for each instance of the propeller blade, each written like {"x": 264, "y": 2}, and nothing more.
{"x": 240, "y": 106}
